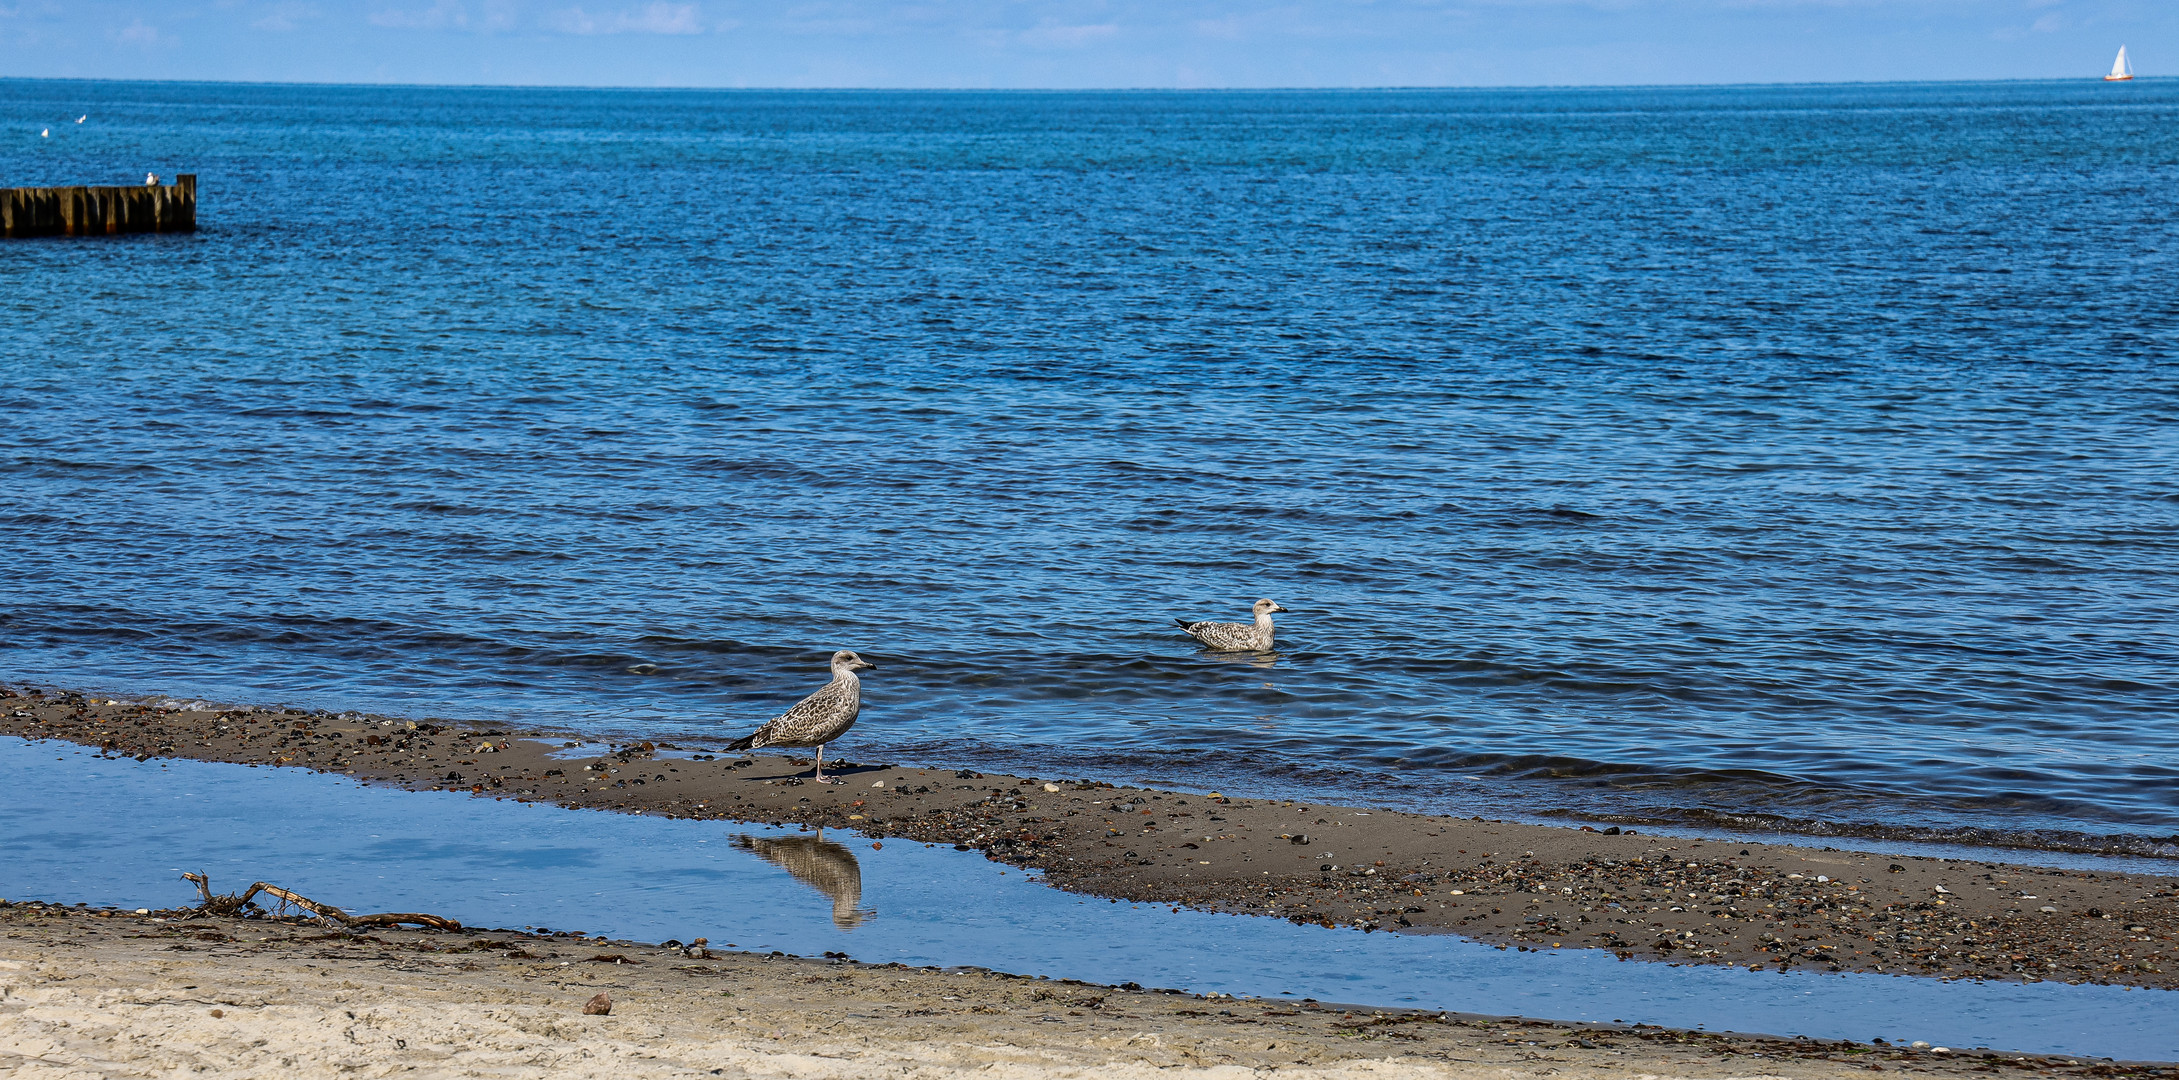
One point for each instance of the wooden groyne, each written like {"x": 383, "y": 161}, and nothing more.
{"x": 100, "y": 211}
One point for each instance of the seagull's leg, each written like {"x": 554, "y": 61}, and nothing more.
{"x": 820, "y": 776}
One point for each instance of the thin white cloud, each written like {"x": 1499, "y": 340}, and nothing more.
{"x": 1289, "y": 20}
{"x": 1226, "y": 29}
{"x": 832, "y": 20}
{"x": 1067, "y": 37}
{"x": 442, "y": 15}
{"x": 139, "y": 32}
{"x": 653, "y": 18}
{"x": 1683, "y": 8}
{"x": 284, "y": 17}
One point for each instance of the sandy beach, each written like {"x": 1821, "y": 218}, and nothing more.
{"x": 1770, "y": 906}
{"x": 1709, "y": 463}
{"x": 100, "y": 993}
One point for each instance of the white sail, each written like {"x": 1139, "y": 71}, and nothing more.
{"x": 2120, "y": 69}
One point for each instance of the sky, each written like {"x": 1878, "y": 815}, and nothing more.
{"x": 1082, "y": 43}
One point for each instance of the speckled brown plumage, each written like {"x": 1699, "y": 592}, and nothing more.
{"x": 819, "y": 718}
{"x": 1255, "y": 637}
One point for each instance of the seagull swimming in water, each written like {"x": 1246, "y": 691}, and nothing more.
{"x": 819, "y": 718}
{"x": 1255, "y": 637}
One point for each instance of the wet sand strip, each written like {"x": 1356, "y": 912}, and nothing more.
{"x": 1765, "y": 906}
{"x": 102, "y": 992}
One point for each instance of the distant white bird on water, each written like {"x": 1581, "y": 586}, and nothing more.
{"x": 1255, "y": 637}
{"x": 85, "y": 116}
{"x": 45, "y": 133}
{"x": 819, "y": 718}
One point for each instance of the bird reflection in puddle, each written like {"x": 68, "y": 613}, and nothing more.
{"x": 821, "y": 864}
{"x": 1262, "y": 660}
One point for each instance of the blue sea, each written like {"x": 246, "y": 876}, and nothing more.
{"x": 1798, "y": 458}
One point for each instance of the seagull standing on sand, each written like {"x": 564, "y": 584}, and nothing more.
{"x": 1254, "y": 637}
{"x": 819, "y": 718}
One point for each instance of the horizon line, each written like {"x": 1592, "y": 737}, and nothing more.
{"x": 1387, "y": 88}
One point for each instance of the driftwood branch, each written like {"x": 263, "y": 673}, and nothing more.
{"x": 230, "y": 904}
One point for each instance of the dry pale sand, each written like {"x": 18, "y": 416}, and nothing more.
{"x": 105, "y": 994}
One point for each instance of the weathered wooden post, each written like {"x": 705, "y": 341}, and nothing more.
{"x": 99, "y": 211}
{"x": 184, "y": 214}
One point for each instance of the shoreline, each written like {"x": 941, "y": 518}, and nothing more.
{"x": 1652, "y": 898}
{"x": 104, "y": 992}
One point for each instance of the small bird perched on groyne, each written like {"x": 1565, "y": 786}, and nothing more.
{"x": 1232, "y": 635}
{"x": 819, "y": 718}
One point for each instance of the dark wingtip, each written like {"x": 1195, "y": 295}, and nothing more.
{"x": 1182, "y": 623}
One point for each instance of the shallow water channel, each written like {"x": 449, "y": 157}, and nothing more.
{"x": 77, "y": 827}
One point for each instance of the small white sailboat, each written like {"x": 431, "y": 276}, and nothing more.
{"x": 2120, "y": 69}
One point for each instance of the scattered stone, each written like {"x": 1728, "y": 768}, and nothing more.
{"x": 1775, "y": 905}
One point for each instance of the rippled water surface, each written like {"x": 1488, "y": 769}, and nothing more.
{"x": 1801, "y": 457}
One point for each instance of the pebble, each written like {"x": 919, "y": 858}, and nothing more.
{"x": 1841, "y": 925}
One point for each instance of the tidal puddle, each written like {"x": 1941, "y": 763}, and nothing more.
{"x": 75, "y": 827}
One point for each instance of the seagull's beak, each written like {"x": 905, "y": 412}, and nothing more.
{"x": 1276, "y": 607}
{"x": 865, "y": 665}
